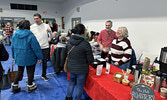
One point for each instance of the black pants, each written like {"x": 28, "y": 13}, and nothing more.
{"x": 30, "y": 74}
{"x": 46, "y": 57}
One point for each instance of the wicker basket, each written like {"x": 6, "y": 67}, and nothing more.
{"x": 116, "y": 79}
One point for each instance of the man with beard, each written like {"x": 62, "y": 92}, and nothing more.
{"x": 105, "y": 39}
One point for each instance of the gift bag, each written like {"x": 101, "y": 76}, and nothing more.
{"x": 14, "y": 73}
{"x": 5, "y": 82}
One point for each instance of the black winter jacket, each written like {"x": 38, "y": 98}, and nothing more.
{"x": 80, "y": 56}
{"x": 58, "y": 57}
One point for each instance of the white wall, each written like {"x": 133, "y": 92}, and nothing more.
{"x": 146, "y": 20}
{"x": 53, "y": 10}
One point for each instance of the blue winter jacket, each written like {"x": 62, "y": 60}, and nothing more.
{"x": 25, "y": 48}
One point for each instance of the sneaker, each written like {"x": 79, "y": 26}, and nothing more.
{"x": 45, "y": 78}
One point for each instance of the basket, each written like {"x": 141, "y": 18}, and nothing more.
{"x": 116, "y": 79}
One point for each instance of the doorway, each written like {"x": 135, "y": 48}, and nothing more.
{"x": 75, "y": 21}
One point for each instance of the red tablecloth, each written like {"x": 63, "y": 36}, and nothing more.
{"x": 104, "y": 88}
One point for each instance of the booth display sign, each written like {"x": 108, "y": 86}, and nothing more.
{"x": 142, "y": 92}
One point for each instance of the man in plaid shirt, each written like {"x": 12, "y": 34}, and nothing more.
{"x": 9, "y": 32}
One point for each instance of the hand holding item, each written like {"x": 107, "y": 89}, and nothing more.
{"x": 101, "y": 47}
{"x": 39, "y": 61}
{"x": 107, "y": 58}
{"x": 48, "y": 30}
{"x": 116, "y": 63}
{"x": 49, "y": 39}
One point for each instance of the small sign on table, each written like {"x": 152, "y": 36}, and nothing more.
{"x": 142, "y": 92}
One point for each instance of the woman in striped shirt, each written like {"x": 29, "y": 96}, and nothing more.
{"x": 121, "y": 49}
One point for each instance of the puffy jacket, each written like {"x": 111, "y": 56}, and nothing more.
{"x": 25, "y": 48}
{"x": 58, "y": 57}
{"x": 80, "y": 56}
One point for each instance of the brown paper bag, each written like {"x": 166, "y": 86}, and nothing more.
{"x": 13, "y": 74}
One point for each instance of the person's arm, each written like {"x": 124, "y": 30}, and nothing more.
{"x": 99, "y": 41}
{"x": 89, "y": 54}
{"x": 49, "y": 31}
{"x": 108, "y": 56}
{"x": 54, "y": 41}
{"x": 36, "y": 48}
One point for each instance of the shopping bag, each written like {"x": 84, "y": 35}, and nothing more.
{"x": 14, "y": 73}
{"x": 5, "y": 82}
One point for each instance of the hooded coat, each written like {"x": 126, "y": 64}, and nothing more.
{"x": 80, "y": 56}
{"x": 25, "y": 48}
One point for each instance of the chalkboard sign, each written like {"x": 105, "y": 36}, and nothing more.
{"x": 142, "y": 92}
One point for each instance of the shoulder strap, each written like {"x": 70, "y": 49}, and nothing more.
{"x": 70, "y": 51}
{"x": 72, "y": 48}
{"x": 12, "y": 65}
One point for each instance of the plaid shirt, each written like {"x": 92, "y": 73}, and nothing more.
{"x": 8, "y": 30}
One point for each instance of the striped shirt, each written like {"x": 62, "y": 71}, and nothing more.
{"x": 8, "y": 30}
{"x": 120, "y": 51}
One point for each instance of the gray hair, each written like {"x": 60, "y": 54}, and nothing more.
{"x": 124, "y": 32}
{"x": 109, "y": 21}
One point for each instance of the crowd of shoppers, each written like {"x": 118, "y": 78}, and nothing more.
{"x": 31, "y": 44}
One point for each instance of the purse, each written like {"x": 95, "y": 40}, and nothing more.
{"x": 5, "y": 82}
{"x": 14, "y": 73}
{"x": 65, "y": 64}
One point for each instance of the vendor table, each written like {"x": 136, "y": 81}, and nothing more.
{"x": 104, "y": 88}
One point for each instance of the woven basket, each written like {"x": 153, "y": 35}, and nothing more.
{"x": 116, "y": 79}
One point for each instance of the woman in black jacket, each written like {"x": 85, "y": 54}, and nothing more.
{"x": 78, "y": 61}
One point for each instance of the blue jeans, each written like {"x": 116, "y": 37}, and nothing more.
{"x": 123, "y": 66}
{"x": 79, "y": 79}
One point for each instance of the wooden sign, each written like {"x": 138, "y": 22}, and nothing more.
{"x": 142, "y": 92}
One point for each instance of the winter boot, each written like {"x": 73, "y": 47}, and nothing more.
{"x": 68, "y": 98}
{"x": 31, "y": 87}
{"x": 15, "y": 88}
